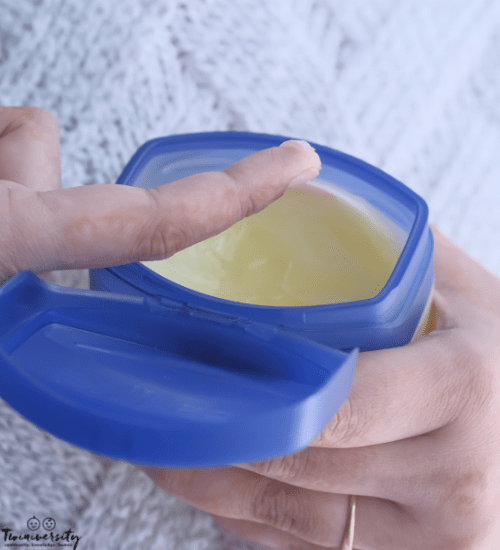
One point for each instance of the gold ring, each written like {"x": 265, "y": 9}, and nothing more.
{"x": 348, "y": 540}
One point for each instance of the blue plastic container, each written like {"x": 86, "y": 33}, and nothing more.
{"x": 142, "y": 369}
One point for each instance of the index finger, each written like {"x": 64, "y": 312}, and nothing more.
{"x": 105, "y": 225}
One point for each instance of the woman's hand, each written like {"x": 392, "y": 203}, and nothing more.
{"x": 45, "y": 228}
{"x": 417, "y": 440}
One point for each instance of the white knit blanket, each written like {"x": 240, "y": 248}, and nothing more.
{"x": 411, "y": 86}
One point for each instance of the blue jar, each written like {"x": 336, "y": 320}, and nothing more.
{"x": 142, "y": 369}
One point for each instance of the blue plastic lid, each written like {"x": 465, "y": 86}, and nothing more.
{"x": 142, "y": 380}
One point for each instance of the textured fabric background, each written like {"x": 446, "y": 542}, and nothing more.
{"x": 411, "y": 86}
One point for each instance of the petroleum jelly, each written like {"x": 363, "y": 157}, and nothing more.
{"x": 307, "y": 248}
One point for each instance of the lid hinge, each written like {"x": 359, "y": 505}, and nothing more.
{"x": 160, "y": 303}
{"x": 263, "y": 331}
{"x": 215, "y": 316}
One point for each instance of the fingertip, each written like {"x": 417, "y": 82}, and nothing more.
{"x": 299, "y": 143}
{"x": 304, "y": 147}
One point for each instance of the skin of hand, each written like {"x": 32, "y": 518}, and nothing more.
{"x": 417, "y": 440}
{"x": 45, "y": 228}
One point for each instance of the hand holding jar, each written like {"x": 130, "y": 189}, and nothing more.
{"x": 417, "y": 441}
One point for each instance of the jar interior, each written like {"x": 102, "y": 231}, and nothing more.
{"x": 319, "y": 244}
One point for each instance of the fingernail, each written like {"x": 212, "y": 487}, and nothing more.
{"x": 293, "y": 143}
{"x": 305, "y": 177}
{"x": 304, "y": 144}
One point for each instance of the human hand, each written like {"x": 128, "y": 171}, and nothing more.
{"x": 45, "y": 228}
{"x": 417, "y": 440}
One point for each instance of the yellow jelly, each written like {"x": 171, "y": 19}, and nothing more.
{"x": 310, "y": 247}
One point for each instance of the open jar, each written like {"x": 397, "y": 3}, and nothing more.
{"x": 153, "y": 369}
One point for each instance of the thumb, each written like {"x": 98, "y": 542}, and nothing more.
{"x": 105, "y": 225}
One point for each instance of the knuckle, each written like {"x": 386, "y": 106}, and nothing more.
{"x": 154, "y": 244}
{"x": 243, "y": 201}
{"x": 39, "y": 123}
{"x": 176, "y": 238}
{"x": 251, "y": 198}
{"x": 247, "y": 205}
{"x": 280, "y": 506}
{"x": 159, "y": 237}
{"x": 40, "y": 117}
{"x": 346, "y": 427}
{"x": 474, "y": 375}
{"x": 289, "y": 467}
{"x": 296, "y": 465}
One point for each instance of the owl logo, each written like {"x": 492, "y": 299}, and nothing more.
{"x": 33, "y": 523}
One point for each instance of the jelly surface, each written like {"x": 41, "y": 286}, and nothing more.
{"x": 307, "y": 248}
